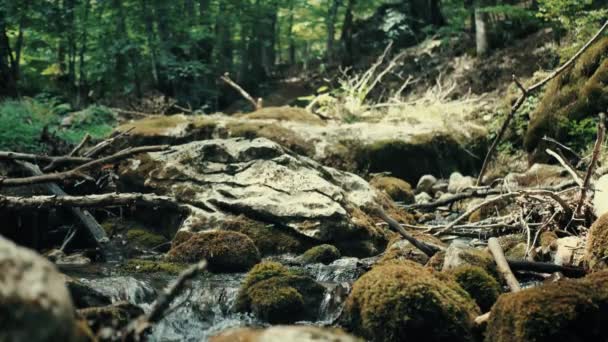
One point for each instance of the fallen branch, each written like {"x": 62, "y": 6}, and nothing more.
{"x": 601, "y": 134}
{"x": 426, "y": 248}
{"x": 88, "y": 221}
{"x": 256, "y": 104}
{"x": 525, "y": 93}
{"x": 102, "y": 200}
{"x": 136, "y": 330}
{"x": 97, "y": 149}
{"x": 503, "y": 265}
{"x": 36, "y": 158}
{"x": 85, "y": 139}
{"x": 78, "y": 172}
{"x": 544, "y": 267}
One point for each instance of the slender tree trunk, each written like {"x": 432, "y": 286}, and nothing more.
{"x": 290, "y": 37}
{"x": 150, "y": 38}
{"x": 82, "y": 80}
{"x": 347, "y": 34}
{"x": 481, "y": 36}
{"x": 332, "y": 15}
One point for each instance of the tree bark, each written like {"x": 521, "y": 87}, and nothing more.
{"x": 481, "y": 35}
{"x": 332, "y": 15}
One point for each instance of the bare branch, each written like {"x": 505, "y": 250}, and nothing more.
{"x": 503, "y": 265}
{"x": 256, "y": 104}
{"x": 601, "y": 134}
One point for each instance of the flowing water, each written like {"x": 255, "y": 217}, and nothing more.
{"x": 207, "y": 308}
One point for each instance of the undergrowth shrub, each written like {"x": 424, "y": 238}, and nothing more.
{"x": 22, "y": 122}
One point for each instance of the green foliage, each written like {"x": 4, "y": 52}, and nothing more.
{"x": 22, "y": 122}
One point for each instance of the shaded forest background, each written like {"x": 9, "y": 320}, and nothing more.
{"x": 70, "y": 54}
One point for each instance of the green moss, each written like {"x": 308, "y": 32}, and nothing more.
{"x": 153, "y": 125}
{"x": 596, "y": 253}
{"x": 395, "y": 188}
{"x": 225, "y": 251}
{"x": 575, "y": 94}
{"x": 436, "y": 261}
{"x": 281, "y": 135}
{"x": 403, "y": 301}
{"x": 569, "y": 310}
{"x": 479, "y": 284}
{"x": 145, "y": 238}
{"x": 285, "y": 113}
{"x": 325, "y": 254}
{"x": 268, "y": 239}
{"x": 152, "y": 266}
{"x": 270, "y": 290}
{"x": 517, "y": 252}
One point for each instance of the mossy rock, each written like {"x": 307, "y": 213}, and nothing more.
{"x": 285, "y": 113}
{"x": 397, "y": 189}
{"x": 167, "y": 129}
{"x": 279, "y": 295}
{"x": 325, "y": 254}
{"x": 269, "y": 239}
{"x": 404, "y": 301}
{"x": 279, "y": 134}
{"x": 145, "y": 238}
{"x": 459, "y": 256}
{"x": 579, "y": 92}
{"x": 568, "y": 310}
{"x": 225, "y": 251}
{"x": 116, "y": 316}
{"x": 596, "y": 252}
{"x": 517, "y": 252}
{"x": 547, "y": 240}
{"x": 299, "y": 333}
{"x": 152, "y": 266}
{"x": 479, "y": 284}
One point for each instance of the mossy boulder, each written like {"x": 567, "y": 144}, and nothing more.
{"x": 269, "y": 239}
{"x": 457, "y": 256}
{"x": 397, "y": 189}
{"x": 579, "y": 92}
{"x": 225, "y": 251}
{"x": 479, "y": 284}
{"x": 404, "y": 301}
{"x": 517, "y": 252}
{"x": 568, "y": 310}
{"x": 596, "y": 252}
{"x": 325, "y": 254}
{"x": 167, "y": 129}
{"x": 145, "y": 238}
{"x": 278, "y": 295}
{"x": 272, "y": 131}
{"x": 285, "y": 113}
{"x": 152, "y": 266}
{"x": 300, "y": 333}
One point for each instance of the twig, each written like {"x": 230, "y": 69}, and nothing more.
{"x": 601, "y": 134}
{"x": 97, "y": 149}
{"x": 86, "y": 139}
{"x": 562, "y": 146}
{"x": 426, "y": 248}
{"x": 256, "y": 104}
{"x": 503, "y": 265}
{"x": 137, "y": 328}
{"x": 78, "y": 172}
{"x": 35, "y": 158}
{"x": 569, "y": 168}
{"x": 525, "y": 93}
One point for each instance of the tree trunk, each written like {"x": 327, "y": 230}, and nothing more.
{"x": 290, "y": 38}
{"x": 347, "y": 34}
{"x": 481, "y": 36}
{"x": 332, "y": 15}
{"x": 150, "y": 37}
{"x": 82, "y": 80}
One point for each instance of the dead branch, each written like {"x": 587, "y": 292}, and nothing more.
{"x": 426, "y": 248}
{"x": 36, "y": 158}
{"x": 566, "y": 166}
{"x": 85, "y": 139}
{"x": 256, "y": 104}
{"x": 88, "y": 221}
{"x": 545, "y": 267}
{"x": 91, "y": 201}
{"x": 97, "y": 149}
{"x": 503, "y": 265}
{"x": 601, "y": 134}
{"x": 136, "y": 330}
{"x": 525, "y": 93}
{"x": 78, "y": 172}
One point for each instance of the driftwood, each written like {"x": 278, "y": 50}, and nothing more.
{"x": 97, "y": 149}
{"x": 78, "y": 172}
{"x": 256, "y": 104}
{"x": 525, "y": 92}
{"x": 503, "y": 265}
{"x": 36, "y": 158}
{"x": 426, "y": 248}
{"x": 136, "y": 329}
{"x": 544, "y": 267}
{"x": 88, "y": 221}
